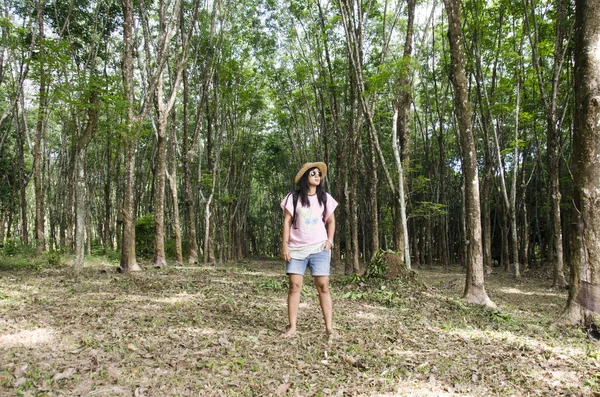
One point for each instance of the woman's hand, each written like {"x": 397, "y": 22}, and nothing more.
{"x": 285, "y": 253}
{"x": 328, "y": 245}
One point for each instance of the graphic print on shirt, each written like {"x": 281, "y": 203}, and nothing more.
{"x": 310, "y": 221}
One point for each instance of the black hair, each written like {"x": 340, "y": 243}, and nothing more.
{"x": 304, "y": 190}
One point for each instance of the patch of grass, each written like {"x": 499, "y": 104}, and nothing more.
{"x": 273, "y": 285}
{"x": 19, "y": 262}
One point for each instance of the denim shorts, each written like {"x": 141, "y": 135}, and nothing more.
{"x": 319, "y": 264}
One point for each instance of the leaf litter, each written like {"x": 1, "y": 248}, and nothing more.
{"x": 215, "y": 331}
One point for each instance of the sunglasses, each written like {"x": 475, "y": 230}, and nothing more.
{"x": 313, "y": 173}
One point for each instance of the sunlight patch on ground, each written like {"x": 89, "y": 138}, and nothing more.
{"x": 407, "y": 353}
{"x": 514, "y": 340}
{"x": 228, "y": 282}
{"x": 367, "y": 316}
{"x": 518, "y": 291}
{"x": 183, "y": 297}
{"x": 262, "y": 274}
{"x": 28, "y": 338}
{"x": 431, "y": 388}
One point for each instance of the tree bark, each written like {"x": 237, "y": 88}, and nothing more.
{"x": 80, "y": 196}
{"x": 402, "y": 123}
{"x": 22, "y": 184}
{"x": 128, "y": 259}
{"x": 474, "y": 288}
{"x": 400, "y": 196}
{"x": 39, "y": 133}
{"x": 172, "y": 177}
{"x": 585, "y": 238}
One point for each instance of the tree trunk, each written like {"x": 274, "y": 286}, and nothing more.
{"x": 172, "y": 176}
{"x": 22, "y": 186}
{"x": 161, "y": 166}
{"x": 403, "y": 125}
{"x": 39, "y": 133}
{"x": 80, "y": 194}
{"x": 373, "y": 199}
{"x": 525, "y": 217}
{"x": 80, "y": 211}
{"x": 474, "y": 288}
{"x": 405, "y": 254}
{"x": 128, "y": 260}
{"x": 108, "y": 241}
{"x": 585, "y": 238}
{"x": 188, "y": 199}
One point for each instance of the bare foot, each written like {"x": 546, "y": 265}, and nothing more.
{"x": 289, "y": 332}
{"x": 331, "y": 336}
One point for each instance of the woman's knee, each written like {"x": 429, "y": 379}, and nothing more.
{"x": 322, "y": 287}
{"x": 295, "y": 287}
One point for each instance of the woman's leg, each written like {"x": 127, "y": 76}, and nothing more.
{"x": 295, "y": 288}
{"x": 322, "y": 284}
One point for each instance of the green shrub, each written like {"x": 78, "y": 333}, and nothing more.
{"x": 377, "y": 268}
{"x": 144, "y": 236}
{"x": 53, "y": 258}
{"x": 12, "y": 246}
{"x": 18, "y": 262}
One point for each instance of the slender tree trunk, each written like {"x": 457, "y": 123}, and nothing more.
{"x": 172, "y": 176}
{"x": 525, "y": 217}
{"x": 373, "y": 184}
{"x": 80, "y": 212}
{"x": 39, "y": 133}
{"x": 214, "y": 166}
{"x": 585, "y": 237}
{"x": 22, "y": 186}
{"x": 188, "y": 199}
{"x": 513, "y": 194}
{"x": 128, "y": 259}
{"x": 401, "y": 242}
{"x": 161, "y": 166}
{"x": 80, "y": 195}
{"x": 108, "y": 241}
{"x": 474, "y": 288}
{"x": 400, "y": 196}
{"x": 505, "y": 258}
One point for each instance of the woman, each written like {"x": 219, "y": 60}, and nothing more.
{"x": 308, "y": 230}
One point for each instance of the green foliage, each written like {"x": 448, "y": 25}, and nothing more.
{"x": 53, "y": 258}
{"x": 377, "y": 268}
{"x": 428, "y": 209}
{"x": 144, "y": 236}
{"x": 14, "y": 246}
{"x": 20, "y": 262}
{"x": 273, "y": 285}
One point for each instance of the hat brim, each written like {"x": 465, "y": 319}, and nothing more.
{"x": 309, "y": 166}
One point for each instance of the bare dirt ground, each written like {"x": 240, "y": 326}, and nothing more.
{"x": 215, "y": 331}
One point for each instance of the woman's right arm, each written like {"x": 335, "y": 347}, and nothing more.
{"x": 287, "y": 224}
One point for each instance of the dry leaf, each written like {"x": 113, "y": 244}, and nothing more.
{"x": 20, "y": 371}
{"x": 112, "y": 373}
{"x": 282, "y": 389}
{"x": 79, "y": 349}
{"x": 132, "y": 347}
{"x": 67, "y": 373}
{"x": 354, "y": 363}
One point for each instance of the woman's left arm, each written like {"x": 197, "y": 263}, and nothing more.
{"x": 330, "y": 226}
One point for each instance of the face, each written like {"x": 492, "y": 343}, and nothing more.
{"x": 314, "y": 177}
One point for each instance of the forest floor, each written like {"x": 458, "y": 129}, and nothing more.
{"x": 215, "y": 331}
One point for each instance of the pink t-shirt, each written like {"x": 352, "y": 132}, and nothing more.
{"x": 309, "y": 220}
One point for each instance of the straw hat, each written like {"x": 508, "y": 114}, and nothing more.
{"x": 309, "y": 166}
